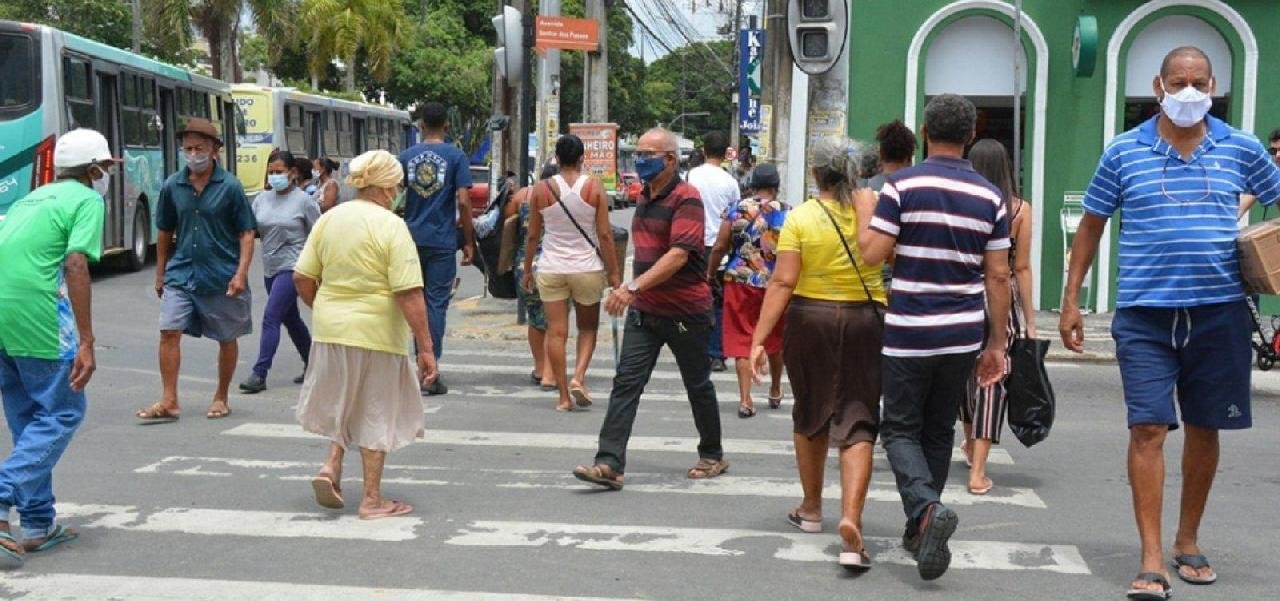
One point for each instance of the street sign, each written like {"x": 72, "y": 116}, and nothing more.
{"x": 567, "y": 33}
{"x": 750, "y": 53}
{"x": 601, "y": 157}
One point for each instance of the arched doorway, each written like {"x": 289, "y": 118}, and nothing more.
{"x": 1148, "y": 50}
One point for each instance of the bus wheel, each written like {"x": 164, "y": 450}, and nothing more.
{"x": 136, "y": 257}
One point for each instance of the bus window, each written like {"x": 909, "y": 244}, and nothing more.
{"x": 17, "y": 73}
{"x": 330, "y": 134}
{"x": 79, "y": 93}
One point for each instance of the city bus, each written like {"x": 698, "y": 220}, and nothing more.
{"x": 52, "y": 81}
{"x": 312, "y": 126}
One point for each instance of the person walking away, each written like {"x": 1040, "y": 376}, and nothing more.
{"x": 1180, "y": 325}
{"x": 577, "y": 261}
{"x": 719, "y": 191}
{"x": 359, "y": 273}
{"x": 535, "y": 312}
{"x": 203, "y": 251}
{"x": 285, "y": 216}
{"x": 437, "y": 176}
{"x": 300, "y": 171}
{"x": 834, "y": 306}
{"x": 749, "y": 237}
{"x": 47, "y": 240}
{"x": 897, "y": 149}
{"x": 948, "y": 229}
{"x": 667, "y": 304}
{"x": 322, "y": 172}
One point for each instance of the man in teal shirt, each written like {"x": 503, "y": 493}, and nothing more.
{"x": 203, "y": 252}
{"x": 47, "y": 241}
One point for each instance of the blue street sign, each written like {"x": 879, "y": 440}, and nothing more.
{"x": 750, "y": 53}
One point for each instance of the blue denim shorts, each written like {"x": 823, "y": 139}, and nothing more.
{"x": 1203, "y": 354}
{"x": 215, "y": 316}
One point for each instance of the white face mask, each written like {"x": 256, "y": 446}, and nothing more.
{"x": 1186, "y": 108}
{"x": 315, "y": 174}
{"x": 198, "y": 162}
{"x": 102, "y": 185}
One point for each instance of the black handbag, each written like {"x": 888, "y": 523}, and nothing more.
{"x": 1029, "y": 392}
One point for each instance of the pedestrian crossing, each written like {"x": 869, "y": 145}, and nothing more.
{"x": 520, "y": 506}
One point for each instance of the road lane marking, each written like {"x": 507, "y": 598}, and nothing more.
{"x": 92, "y": 587}
{"x": 965, "y": 555}
{"x": 605, "y": 358}
{"x": 429, "y": 475}
{"x": 221, "y": 522}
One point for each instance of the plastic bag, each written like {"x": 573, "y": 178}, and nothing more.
{"x": 1030, "y": 394}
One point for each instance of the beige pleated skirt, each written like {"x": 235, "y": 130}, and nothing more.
{"x": 361, "y": 398}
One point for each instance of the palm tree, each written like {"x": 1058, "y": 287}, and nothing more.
{"x": 219, "y": 21}
{"x": 342, "y": 28}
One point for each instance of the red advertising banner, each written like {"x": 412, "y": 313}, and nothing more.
{"x": 601, "y": 157}
{"x": 566, "y": 33}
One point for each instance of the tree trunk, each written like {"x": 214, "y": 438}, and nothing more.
{"x": 233, "y": 52}
{"x": 349, "y": 77}
{"x": 213, "y": 36}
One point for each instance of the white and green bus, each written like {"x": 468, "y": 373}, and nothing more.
{"x": 312, "y": 126}
{"x": 52, "y": 81}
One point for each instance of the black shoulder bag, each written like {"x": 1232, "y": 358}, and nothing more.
{"x": 849, "y": 253}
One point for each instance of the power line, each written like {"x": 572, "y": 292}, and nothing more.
{"x": 675, "y": 18}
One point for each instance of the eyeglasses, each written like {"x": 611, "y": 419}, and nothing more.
{"x": 1164, "y": 175}
{"x": 648, "y": 154}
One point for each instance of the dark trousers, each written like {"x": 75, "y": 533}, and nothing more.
{"x": 282, "y": 309}
{"x": 917, "y": 425}
{"x": 642, "y": 341}
{"x": 715, "y": 338}
{"x": 439, "y": 268}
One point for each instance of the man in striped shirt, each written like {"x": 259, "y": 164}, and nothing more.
{"x": 948, "y": 228}
{"x": 1181, "y": 324}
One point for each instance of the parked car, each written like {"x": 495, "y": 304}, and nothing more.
{"x": 479, "y": 189}
{"x": 632, "y": 185}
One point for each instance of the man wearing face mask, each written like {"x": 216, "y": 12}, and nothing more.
{"x": 669, "y": 304}
{"x": 205, "y": 244}
{"x": 1181, "y": 323}
{"x": 46, "y": 333}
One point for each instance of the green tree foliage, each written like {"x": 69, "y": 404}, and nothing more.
{"x": 345, "y": 29}
{"x": 106, "y": 21}
{"x": 218, "y": 21}
{"x": 689, "y": 80}
{"x": 628, "y": 105}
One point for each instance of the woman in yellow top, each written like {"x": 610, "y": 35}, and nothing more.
{"x": 831, "y": 346}
{"x": 359, "y": 273}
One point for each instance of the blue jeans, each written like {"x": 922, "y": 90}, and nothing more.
{"x": 439, "y": 268}
{"x": 282, "y": 309}
{"x": 43, "y": 413}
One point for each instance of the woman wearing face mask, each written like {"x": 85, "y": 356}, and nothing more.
{"x": 322, "y": 175}
{"x": 285, "y": 217}
{"x": 359, "y": 272}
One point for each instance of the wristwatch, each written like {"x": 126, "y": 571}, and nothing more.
{"x": 633, "y": 287}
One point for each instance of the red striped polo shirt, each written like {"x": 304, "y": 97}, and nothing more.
{"x": 672, "y": 219}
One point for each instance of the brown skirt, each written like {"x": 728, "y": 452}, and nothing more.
{"x": 832, "y": 353}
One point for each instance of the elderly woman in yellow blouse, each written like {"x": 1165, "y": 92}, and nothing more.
{"x": 359, "y": 273}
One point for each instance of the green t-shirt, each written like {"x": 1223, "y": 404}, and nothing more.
{"x": 36, "y": 236}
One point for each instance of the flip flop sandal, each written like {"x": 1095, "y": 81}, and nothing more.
{"x": 580, "y": 396}
{"x": 60, "y": 534}
{"x": 1142, "y": 594}
{"x": 601, "y": 475}
{"x": 775, "y": 402}
{"x": 157, "y": 414}
{"x": 810, "y": 526}
{"x": 548, "y": 387}
{"x": 397, "y": 509}
{"x": 535, "y": 378}
{"x": 745, "y": 412}
{"x": 211, "y": 414}
{"x": 10, "y": 559}
{"x": 982, "y": 490}
{"x": 328, "y": 495}
{"x": 708, "y": 468}
{"x": 854, "y": 561}
{"x": 1195, "y": 562}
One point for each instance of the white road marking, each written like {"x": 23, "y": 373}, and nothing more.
{"x": 412, "y": 475}
{"x": 582, "y": 442}
{"x": 88, "y": 587}
{"x": 258, "y": 524}
{"x": 603, "y": 357}
{"x": 966, "y": 555}
{"x": 513, "y": 370}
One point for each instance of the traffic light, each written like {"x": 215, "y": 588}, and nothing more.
{"x": 509, "y": 56}
{"x": 818, "y": 30}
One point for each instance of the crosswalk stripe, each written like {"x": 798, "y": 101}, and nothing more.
{"x": 602, "y": 357}
{"x": 582, "y": 442}
{"x": 270, "y": 524}
{"x": 93, "y": 587}
{"x": 429, "y": 475}
{"x": 525, "y": 394}
{"x": 513, "y": 370}
{"x": 966, "y": 555}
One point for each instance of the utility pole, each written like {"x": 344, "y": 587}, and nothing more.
{"x": 595, "y": 75}
{"x": 137, "y": 26}
{"x": 548, "y": 91}
{"x": 737, "y": 71}
{"x": 517, "y": 105}
{"x": 828, "y": 104}
{"x": 776, "y": 92}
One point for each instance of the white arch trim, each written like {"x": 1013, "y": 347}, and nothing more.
{"x": 1249, "y": 91}
{"x": 1039, "y": 111}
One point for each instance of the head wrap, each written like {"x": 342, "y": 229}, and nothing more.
{"x": 375, "y": 169}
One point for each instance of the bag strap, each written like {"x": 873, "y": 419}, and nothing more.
{"x": 556, "y": 196}
{"x": 849, "y": 253}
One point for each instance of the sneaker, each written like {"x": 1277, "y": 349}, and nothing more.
{"x": 911, "y": 539}
{"x": 934, "y": 556}
{"x": 253, "y": 384}
{"x": 436, "y": 388}
{"x": 718, "y": 365}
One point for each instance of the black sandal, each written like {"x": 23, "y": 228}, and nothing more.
{"x": 775, "y": 402}
{"x": 1195, "y": 562}
{"x": 744, "y": 411}
{"x": 1142, "y": 594}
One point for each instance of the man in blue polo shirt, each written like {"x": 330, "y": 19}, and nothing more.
{"x": 1181, "y": 326}
{"x": 437, "y": 177}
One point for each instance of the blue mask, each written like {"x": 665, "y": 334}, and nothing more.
{"x": 648, "y": 168}
{"x": 279, "y": 181}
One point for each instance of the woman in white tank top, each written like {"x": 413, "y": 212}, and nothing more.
{"x": 570, "y": 220}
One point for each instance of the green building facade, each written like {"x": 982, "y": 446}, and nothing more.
{"x": 902, "y": 52}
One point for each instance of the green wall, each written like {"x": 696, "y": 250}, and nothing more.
{"x": 880, "y": 35}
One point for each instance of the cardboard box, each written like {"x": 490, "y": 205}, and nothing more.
{"x": 1260, "y": 257}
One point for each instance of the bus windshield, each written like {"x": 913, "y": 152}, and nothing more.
{"x": 257, "y": 126}
{"x": 18, "y": 94}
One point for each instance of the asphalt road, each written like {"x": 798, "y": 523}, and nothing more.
{"x": 223, "y": 509}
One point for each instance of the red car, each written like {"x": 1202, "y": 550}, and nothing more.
{"x": 633, "y": 187}
{"x": 479, "y": 189}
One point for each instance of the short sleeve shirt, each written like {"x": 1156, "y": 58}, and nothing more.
{"x": 362, "y": 255}
{"x": 207, "y": 228}
{"x": 672, "y": 218}
{"x": 284, "y": 220}
{"x": 945, "y": 217}
{"x": 36, "y": 236}
{"x": 434, "y": 172}
{"x": 825, "y": 270}
{"x": 1178, "y": 217}
{"x": 718, "y": 191}
{"x": 755, "y": 225}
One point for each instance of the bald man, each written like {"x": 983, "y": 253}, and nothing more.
{"x": 667, "y": 304}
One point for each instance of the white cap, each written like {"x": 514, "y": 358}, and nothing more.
{"x": 81, "y": 147}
